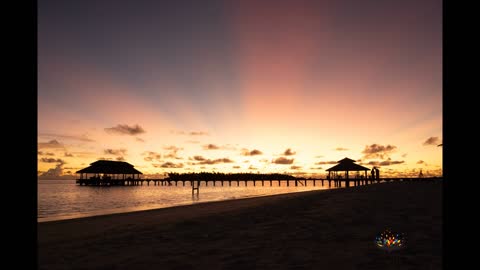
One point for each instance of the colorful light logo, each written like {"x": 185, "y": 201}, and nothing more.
{"x": 388, "y": 240}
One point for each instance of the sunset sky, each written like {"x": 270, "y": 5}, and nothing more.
{"x": 288, "y": 86}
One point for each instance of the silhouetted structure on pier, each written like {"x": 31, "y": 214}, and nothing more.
{"x": 106, "y": 172}
{"x": 347, "y": 165}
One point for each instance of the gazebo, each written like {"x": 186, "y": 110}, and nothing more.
{"x": 107, "y": 172}
{"x": 346, "y": 165}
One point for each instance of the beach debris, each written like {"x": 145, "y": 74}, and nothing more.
{"x": 388, "y": 240}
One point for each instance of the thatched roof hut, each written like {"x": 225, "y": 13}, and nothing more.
{"x": 346, "y": 165}
{"x": 110, "y": 168}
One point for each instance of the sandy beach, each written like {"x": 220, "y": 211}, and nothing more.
{"x": 326, "y": 229}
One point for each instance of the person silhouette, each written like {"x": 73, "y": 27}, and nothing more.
{"x": 372, "y": 172}
{"x": 377, "y": 172}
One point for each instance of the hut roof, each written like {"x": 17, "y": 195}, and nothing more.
{"x": 110, "y": 167}
{"x": 347, "y": 164}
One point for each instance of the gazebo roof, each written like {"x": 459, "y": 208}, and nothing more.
{"x": 110, "y": 167}
{"x": 347, "y": 164}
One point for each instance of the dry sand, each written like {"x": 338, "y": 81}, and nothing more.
{"x": 328, "y": 229}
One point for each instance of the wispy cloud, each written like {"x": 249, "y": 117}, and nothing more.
{"x": 283, "y": 161}
{"x": 139, "y": 139}
{"x": 440, "y": 144}
{"x": 293, "y": 167}
{"x": 67, "y": 154}
{"x": 204, "y": 161}
{"x": 210, "y": 147}
{"x": 236, "y": 167}
{"x": 45, "y": 153}
{"x": 385, "y": 162}
{"x": 341, "y": 149}
{"x": 251, "y": 167}
{"x": 432, "y": 141}
{"x": 170, "y": 165}
{"x": 115, "y": 152}
{"x": 50, "y": 144}
{"x": 120, "y": 159}
{"x": 151, "y": 156}
{"x": 319, "y": 156}
{"x": 198, "y": 133}
{"x": 83, "y": 138}
{"x": 325, "y": 162}
{"x": 192, "y": 141}
{"x": 289, "y": 152}
{"x": 125, "y": 130}
{"x": 199, "y": 158}
{"x": 378, "y": 151}
{"x": 173, "y": 150}
{"x": 215, "y": 161}
{"x": 421, "y": 162}
{"x": 52, "y": 160}
{"x": 254, "y": 152}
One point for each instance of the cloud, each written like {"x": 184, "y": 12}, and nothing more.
{"x": 199, "y": 158}
{"x": 116, "y": 152}
{"x": 52, "y": 160}
{"x": 192, "y": 141}
{"x": 422, "y": 162}
{"x": 325, "y": 162}
{"x": 320, "y": 156}
{"x": 204, "y": 161}
{"x": 289, "y": 152}
{"x": 251, "y": 167}
{"x": 120, "y": 159}
{"x": 236, "y": 167}
{"x": 215, "y": 161}
{"x": 151, "y": 156}
{"x": 341, "y": 149}
{"x": 317, "y": 168}
{"x": 283, "y": 161}
{"x": 173, "y": 152}
{"x": 404, "y": 155}
{"x": 50, "y": 144}
{"x": 198, "y": 133}
{"x": 103, "y": 158}
{"x": 54, "y": 172}
{"x": 293, "y": 167}
{"x": 210, "y": 147}
{"x": 253, "y": 152}
{"x": 440, "y": 144}
{"x": 169, "y": 165}
{"x": 264, "y": 160}
{"x": 385, "y": 162}
{"x": 432, "y": 141}
{"x": 139, "y": 139}
{"x": 172, "y": 148}
{"x": 41, "y": 153}
{"x": 125, "y": 130}
{"x": 68, "y": 154}
{"x": 83, "y": 138}
{"x": 378, "y": 151}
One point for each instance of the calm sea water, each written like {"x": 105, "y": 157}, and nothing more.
{"x": 63, "y": 199}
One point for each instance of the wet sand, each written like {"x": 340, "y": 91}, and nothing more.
{"x": 325, "y": 229}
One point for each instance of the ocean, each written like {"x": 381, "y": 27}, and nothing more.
{"x": 64, "y": 199}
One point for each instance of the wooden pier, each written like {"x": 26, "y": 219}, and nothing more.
{"x": 266, "y": 182}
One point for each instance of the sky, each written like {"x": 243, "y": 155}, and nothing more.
{"x": 284, "y": 86}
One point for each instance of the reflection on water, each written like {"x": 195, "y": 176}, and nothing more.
{"x": 63, "y": 199}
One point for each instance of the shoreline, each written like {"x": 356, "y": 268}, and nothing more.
{"x": 122, "y": 210}
{"x": 330, "y": 229}
{"x": 135, "y": 209}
